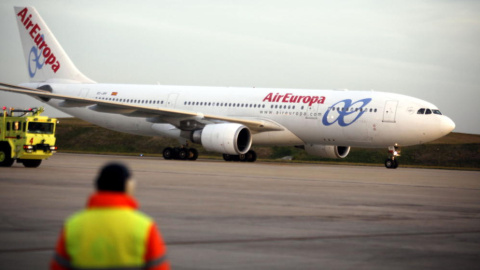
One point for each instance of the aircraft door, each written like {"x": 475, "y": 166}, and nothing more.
{"x": 312, "y": 112}
{"x": 172, "y": 99}
{"x": 390, "y": 111}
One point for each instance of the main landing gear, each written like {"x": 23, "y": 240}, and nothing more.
{"x": 392, "y": 162}
{"x": 186, "y": 153}
{"x": 180, "y": 153}
{"x": 250, "y": 156}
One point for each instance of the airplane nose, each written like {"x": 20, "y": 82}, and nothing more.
{"x": 447, "y": 125}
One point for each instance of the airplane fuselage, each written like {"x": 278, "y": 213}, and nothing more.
{"x": 329, "y": 117}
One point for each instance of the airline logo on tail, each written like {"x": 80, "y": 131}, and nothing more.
{"x": 41, "y": 50}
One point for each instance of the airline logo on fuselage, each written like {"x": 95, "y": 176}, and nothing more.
{"x": 346, "y": 113}
{"x": 41, "y": 49}
{"x": 291, "y": 98}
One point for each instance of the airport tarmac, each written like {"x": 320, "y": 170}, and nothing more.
{"x": 226, "y": 215}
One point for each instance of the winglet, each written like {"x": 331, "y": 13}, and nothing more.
{"x": 46, "y": 59}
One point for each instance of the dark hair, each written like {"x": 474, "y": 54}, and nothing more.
{"x": 113, "y": 177}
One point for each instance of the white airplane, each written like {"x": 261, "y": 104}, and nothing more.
{"x": 229, "y": 120}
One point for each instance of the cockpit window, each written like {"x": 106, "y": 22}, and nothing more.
{"x": 428, "y": 111}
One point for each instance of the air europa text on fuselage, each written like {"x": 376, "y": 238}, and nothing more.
{"x": 38, "y": 38}
{"x": 291, "y": 98}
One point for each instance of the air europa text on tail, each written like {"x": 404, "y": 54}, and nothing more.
{"x": 38, "y": 38}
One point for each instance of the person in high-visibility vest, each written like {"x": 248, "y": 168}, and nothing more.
{"x": 111, "y": 233}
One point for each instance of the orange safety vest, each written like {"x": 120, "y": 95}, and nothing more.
{"x": 110, "y": 234}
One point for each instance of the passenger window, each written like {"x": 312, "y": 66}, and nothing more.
{"x": 421, "y": 111}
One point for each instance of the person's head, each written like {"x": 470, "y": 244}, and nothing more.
{"x": 115, "y": 177}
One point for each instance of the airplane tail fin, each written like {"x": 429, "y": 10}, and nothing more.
{"x": 46, "y": 59}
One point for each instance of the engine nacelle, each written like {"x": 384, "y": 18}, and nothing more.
{"x": 327, "y": 151}
{"x": 232, "y": 139}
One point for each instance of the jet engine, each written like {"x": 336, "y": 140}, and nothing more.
{"x": 327, "y": 151}
{"x": 228, "y": 138}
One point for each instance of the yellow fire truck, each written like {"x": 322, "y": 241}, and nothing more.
{"x": 26, "y": 136}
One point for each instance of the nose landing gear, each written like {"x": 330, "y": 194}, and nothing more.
{"x": 392, "y": 162}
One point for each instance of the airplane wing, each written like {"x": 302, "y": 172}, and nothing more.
{"x": 185, "y": 120}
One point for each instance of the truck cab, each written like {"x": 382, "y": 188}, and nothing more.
{"x": 26, "y": 137}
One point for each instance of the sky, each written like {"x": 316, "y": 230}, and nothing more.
{"x": 429, "y": 49}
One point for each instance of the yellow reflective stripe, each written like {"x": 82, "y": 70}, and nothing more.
{"x": 106, "y": 237}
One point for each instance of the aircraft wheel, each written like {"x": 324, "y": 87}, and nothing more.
{"x": 192, "y": 154}
{"x": 391, "y": 163}
{"x": 31, "y": 163}
{"x": 227, "y": 157}
{"x": 395, "y": 165}
{"x": 182, "y": 154}
{"x": 5, "y": 156}
{"x": 242, "y": 157}
{"x": 168, "y": 153}
{"x": 251, "y": 156}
